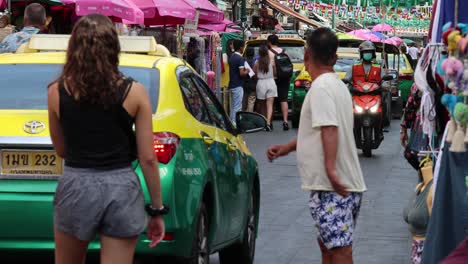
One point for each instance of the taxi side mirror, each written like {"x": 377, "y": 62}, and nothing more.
{"x": 248, "y": 122}
{"x": 388, "y": 78}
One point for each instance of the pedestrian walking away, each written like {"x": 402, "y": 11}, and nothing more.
{"x": 237, "y": 72}
{"x": 326, "y": 151}
{"x": 284, "y": 70}
{"x": 92, "y": 111}
{"x": 265, "y": 70}
{"x": 413, "y": 51}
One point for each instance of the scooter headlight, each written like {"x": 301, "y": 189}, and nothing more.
{"x": 358, "y": 109}
{"x": 375, "y": 108}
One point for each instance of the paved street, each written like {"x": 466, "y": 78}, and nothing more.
{"x": 287, "y": 235}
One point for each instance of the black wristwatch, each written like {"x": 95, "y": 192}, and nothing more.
{"x": 156, "y": 212}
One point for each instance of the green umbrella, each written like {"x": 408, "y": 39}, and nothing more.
{"x": 408, "y": 41}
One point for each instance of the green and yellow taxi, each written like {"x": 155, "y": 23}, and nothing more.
{"x": 209, "y": 178}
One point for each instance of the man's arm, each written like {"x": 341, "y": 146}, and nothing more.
{"x": 243, "y": 71}
{"x": 329, "y": 136}
{"x": 276, "y": 151}
{"x": 330, "y": 147}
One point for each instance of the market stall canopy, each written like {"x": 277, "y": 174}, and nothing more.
{"x": 122, "y": 9}
{"x": 287, "y": 11}
{"x": 165, "y": 12}
{"x": 209, "y": 13}
{"x": 382, "y": 27}
{"x": 445, "y": 12}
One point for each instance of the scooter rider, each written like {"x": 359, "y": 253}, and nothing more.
{"x": 367, "y": 69}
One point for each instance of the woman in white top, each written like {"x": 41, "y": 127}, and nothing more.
{"x": 265, "y": 70}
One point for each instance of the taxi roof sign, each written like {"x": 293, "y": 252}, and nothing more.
{"x": 128, "y": 44}
{"x": 348, "y": 50}
{"x": 281, "y": 36}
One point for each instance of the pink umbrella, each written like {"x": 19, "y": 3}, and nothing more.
{"x": 370, "y": 37}
{"x": 382, "y": 27}
{"x": 360, "y": 33}
{"x": 217, "y": 27}
{"x": 209, "y": 13}
{"x": 165, "y": 12}
{"x": 122, "y": 9}
{"x": 390, "y": 41}
{"x": 397, "y": 40}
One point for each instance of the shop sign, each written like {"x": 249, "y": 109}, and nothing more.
{"x": 191, "y": 26}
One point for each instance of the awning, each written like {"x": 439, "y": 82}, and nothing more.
{"x": 287, "y": 11}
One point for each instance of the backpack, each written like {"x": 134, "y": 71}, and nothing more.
{"x": 284, "y": 66}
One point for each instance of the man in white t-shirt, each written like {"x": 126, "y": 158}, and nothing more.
{"x": 413, "y": 52}
{"x": 326, "y": 151}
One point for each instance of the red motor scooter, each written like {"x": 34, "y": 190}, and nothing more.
{"x": 368, "y": 118}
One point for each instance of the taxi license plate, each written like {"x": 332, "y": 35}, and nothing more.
{"x": 30, "y": 162}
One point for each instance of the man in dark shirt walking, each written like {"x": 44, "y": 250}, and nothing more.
{"x": 237, "y": 71}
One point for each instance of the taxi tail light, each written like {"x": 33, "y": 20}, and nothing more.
{"x": 302, "y": 83}
{"x": 168, "y": 237}
{"x": 165, "y": 146}
{"x": 404, "y": 76}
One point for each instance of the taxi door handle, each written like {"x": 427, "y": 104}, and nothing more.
{"x": 206, "y": 138}
{"x": 230, "y": 145}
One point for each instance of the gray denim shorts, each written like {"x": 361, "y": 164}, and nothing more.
{"x": 88, "y": 202}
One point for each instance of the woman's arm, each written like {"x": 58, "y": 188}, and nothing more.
{"x": 55, "y": 129}
{"x": 144, "y": 137}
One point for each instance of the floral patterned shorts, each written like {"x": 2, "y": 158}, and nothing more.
{"x": 417, "y": 251}
{"x": 335, "y": 217}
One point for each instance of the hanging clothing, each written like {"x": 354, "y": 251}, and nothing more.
{"x": 416, "y": 213}
{"x": 449, "y": 219}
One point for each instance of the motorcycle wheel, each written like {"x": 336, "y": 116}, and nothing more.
{"x": 367, "y": 147}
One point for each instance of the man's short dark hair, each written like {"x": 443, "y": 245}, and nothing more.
{"x": 35, "y": 15}
{"x": 322, "y": 43}
{"x": 238, "y": 44}
{"x": 273, "y": 39}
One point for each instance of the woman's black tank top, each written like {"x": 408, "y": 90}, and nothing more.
{"x": 97, "y": 137}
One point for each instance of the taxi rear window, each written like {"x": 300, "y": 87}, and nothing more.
{"x": 295, "y": 51}
{"x": 25, "y": 85}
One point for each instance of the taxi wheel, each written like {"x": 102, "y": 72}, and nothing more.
{"x": 200, "y": 248}
{"x": 244, "y": 252}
